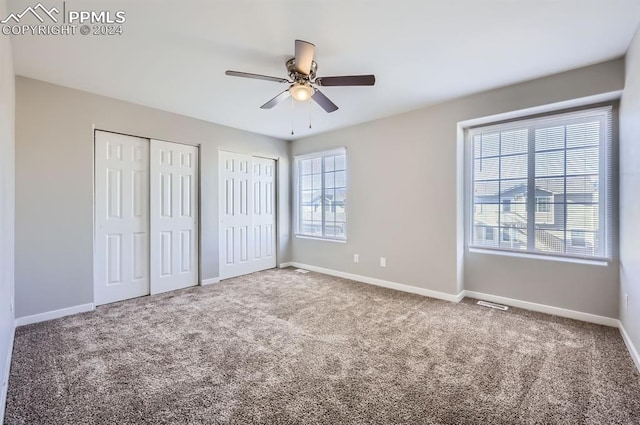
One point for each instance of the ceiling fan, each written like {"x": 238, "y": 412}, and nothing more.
{"x": 302, "y": 83}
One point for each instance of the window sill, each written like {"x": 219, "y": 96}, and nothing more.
{"x": 603, "y": 262}
{"x": 320, "y": 238}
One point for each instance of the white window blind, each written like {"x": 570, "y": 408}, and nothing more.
{"x": 321, "y": 188}
{"x": 543, "y": 185}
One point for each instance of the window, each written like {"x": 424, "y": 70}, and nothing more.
{"x": 578, "y": 238}
{"x": 543, "y": 204}
{"x": 321, "y": 187}
{"x": 544, "y": 184}
{"x": 488, "y": 233}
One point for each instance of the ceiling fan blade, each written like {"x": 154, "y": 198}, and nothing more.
{"x": 279, "y": 98}
{"x": 324, "y": 101}
{"x": 256, "y": 76}
{"x": 304, "y": 56}
{"x": 347, "y": 80}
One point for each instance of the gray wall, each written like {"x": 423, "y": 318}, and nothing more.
{"x": 630, "y": 194}
{"x": 7, "y": 204}
{"x": 403, "y": 202}
{"x": 54, "y": 185}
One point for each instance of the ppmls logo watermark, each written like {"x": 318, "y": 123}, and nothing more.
{"x": 43, "y": 20}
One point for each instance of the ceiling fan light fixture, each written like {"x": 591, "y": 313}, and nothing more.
{"x": 302, "y": 82}
{"x": 301, "y": 92}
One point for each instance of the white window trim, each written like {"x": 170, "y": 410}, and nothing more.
{"x": 527, "y": 121}
{"x": 321, "y": 238}
{"x": 593, "y": 261}
{"x": 328, "y": 152}
{"x": 296, "y": 192}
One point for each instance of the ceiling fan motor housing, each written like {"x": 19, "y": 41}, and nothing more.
{"x": 296, "y": 76}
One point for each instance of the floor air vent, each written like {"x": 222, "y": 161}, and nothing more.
{"x": 492, "y": 305}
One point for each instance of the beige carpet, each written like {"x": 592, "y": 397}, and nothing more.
{"x": 279, "y": 347}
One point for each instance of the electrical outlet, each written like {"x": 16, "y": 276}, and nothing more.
{"x": 356, "y": 258}
{"x": 383, "y": 262}
{"x": 626, "y": 302}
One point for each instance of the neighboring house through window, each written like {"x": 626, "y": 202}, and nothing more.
{"x": 543, "y": 184}
{"x": 321, "y": 186}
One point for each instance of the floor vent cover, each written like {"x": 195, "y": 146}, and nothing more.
{"x": 302, "y": 271}
{"x": 492, "y": 305}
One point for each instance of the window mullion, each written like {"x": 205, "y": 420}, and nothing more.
{"x": 565, "y": 206}
{"x": 531, "y": 190}
{"x": 323, "y": 195}
{"x": 500, "y": 206}
{"x": 298, "y": 194}
{"x": 603, "y": 188}
{"x": 470, "y": 193}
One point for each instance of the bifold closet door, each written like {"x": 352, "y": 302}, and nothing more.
{"x": 247, "y": 214}
{"x": 121, "y": 257}
{"x": 174, "y": 216}
{"x": 264, "y": 213}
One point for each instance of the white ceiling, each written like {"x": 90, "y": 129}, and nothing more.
{"x": 174, "y": 53}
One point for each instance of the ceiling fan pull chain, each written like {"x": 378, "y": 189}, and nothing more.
{"x": 292, "y": 117}
{"x": 310, "y": 113}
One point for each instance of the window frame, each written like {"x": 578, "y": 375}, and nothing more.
{"x": 606, "y": 206}
{"x": 297, "y": 159}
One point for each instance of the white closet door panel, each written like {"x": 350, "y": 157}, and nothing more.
{"x": 264, "y": 218}
{"x": 121, "y": 256}
{"x": 174, "y": 216}
{"x": 247, "y": 214}
{"x": 235, "y": 218}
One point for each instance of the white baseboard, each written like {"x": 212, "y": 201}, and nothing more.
{"x": 4, "y": 385}
{"x": 209, "y": 281}
{"x": 633, "y": 351}
{"x": 379, "y": 282}
{"x": 542, "y": 308}
{"x": 50, "y": 315}
{"x": 285, "y": 265}
{"x": 526, "y": 305}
